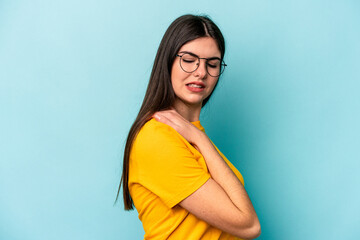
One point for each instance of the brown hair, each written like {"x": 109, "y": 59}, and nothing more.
{"x": 160, "y": 94}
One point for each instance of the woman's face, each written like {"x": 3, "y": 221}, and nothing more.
{"x": 192, "y": 88}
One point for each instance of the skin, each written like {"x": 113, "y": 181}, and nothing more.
{"x": 188, "y": 103}
{"x": 222, "y": 201}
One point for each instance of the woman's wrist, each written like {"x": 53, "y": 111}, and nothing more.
{"x": 204, "y": 144}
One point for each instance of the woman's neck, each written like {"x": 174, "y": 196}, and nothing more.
{"x": 187, "y": 111}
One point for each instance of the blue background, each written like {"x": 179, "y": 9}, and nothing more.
{"x": 286, "y": 112}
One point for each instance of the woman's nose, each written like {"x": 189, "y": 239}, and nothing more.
{"x": 201, "y": 71}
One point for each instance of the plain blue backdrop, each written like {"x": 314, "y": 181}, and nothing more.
{"x": 286, "y": 112}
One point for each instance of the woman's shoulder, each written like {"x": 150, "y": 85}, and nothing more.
{"x": 153, "y": 132}
{"x": 158, "y": 128}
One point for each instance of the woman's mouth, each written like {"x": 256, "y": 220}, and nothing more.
{"x": 195, "y": 87}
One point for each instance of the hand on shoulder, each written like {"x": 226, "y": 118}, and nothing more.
{"x": 185, "y": 128}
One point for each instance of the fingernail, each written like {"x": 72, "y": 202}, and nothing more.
{"x": 156, "y": 116}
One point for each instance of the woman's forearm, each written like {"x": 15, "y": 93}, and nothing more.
{"x": 225, "y": 177}
{"x": 222, "y": 200}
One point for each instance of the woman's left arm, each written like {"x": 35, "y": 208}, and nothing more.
{"x": 222, "y": 201}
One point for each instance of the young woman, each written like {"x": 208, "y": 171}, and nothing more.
{"x": 182, "y": 186}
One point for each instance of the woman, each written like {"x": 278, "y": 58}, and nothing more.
{"x": 182, "y": 186}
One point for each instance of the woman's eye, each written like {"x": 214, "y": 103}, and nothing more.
{"x": 212, "y": 65}
{"x": 188, "y": 60}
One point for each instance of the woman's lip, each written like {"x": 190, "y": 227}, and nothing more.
{"x": 194, "y": 89}
{"x": 197, "y": 83}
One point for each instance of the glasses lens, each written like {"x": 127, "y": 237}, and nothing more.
{"x": 189, "y": 63}
{"x": 214, "y": 67}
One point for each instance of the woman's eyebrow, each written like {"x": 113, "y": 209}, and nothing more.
{"x": 193, "y": 54}
{"x": 189, "y": 53}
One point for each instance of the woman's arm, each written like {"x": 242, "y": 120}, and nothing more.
{"x": 222, "y": 201}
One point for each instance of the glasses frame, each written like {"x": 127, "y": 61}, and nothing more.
{"x": 222, "y": 63}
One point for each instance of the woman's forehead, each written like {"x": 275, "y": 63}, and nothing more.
{"x": 203, "y": 47}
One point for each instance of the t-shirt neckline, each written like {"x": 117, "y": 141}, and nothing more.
{"x": 198, "y": 125}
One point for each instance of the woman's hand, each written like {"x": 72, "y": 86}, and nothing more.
{"x": 222, "y": 201}
{"x": 180, "y": 124}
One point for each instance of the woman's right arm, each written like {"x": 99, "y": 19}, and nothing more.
{"x": 222, "y": 201}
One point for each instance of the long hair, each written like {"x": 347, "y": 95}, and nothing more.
{"x": 160, "y": 94}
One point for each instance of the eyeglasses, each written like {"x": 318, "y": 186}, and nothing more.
{"x": 189, "y": 62}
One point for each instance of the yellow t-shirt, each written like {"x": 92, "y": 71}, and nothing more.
{"x": 164, "y": 170}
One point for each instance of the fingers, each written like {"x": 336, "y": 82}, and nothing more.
{"x": 173, "y": 119}
{"x": 173, "y": 115}
{"x": 160, "y": 117}
{"x": 167, "y": 113}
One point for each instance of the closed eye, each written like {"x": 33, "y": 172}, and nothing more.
{"x": 211, "y": 65}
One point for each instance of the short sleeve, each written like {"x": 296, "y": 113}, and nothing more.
{"x": 165, "y": 163}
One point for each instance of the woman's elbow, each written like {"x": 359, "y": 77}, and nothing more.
{"x": 251, "y": 230}
{"x": 255, "y": 230}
